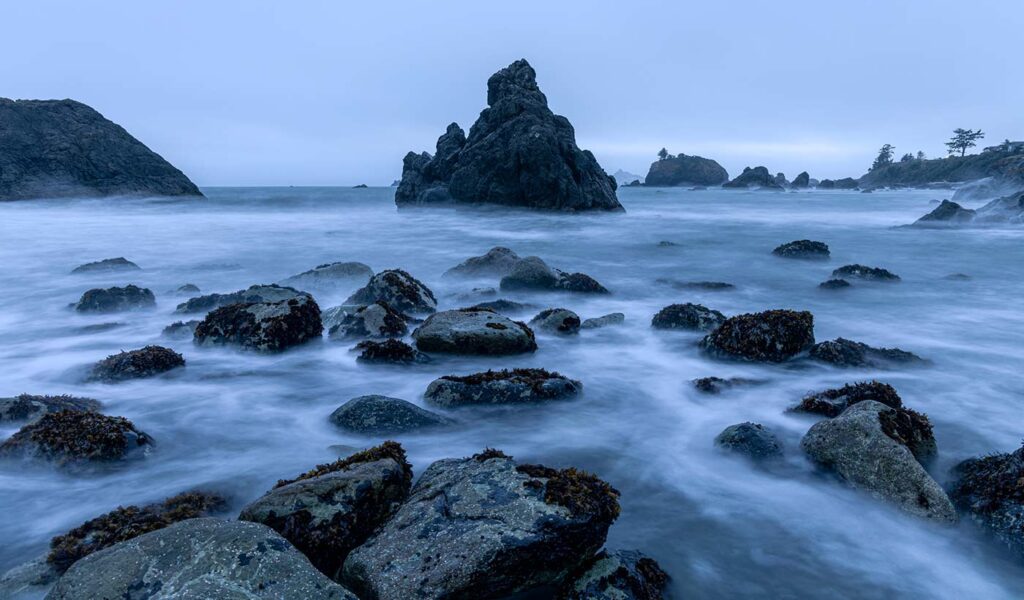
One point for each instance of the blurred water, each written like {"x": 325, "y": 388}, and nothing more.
{"x": 238, "y": 421}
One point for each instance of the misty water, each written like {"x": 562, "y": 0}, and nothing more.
{"x": 238, "y": 421}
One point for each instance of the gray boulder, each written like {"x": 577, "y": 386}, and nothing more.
{"x": 946, "y": 213}
{"x": 199, "y": 559}
{"x": 842, "y": 352}
{"x": 617, "y": 575}
{"x": 717, "y": 385}
{"x": 752, "y": 440}
{"x": 603, "y": 321}
{"x": 390, "y": 351}
{"x": 381, "y": 415}
{"x": 770, "y": 336}
{"x": 136, "y": 364}
{"x": 115, "y": 299}
{"x": 482, "y": 527}
{"x": 516, "y": 386}
{"x": 262, "y": 326}
{"x": 181, "y": 330}
{"x": 106, "y": 265}
{"x": 497, "y": 262}
{"x": 533, "y": 274}
{"x": 864, "y": 449}
{"x": 376, "y": 320}
{"x": 473, "y": 331}
{"x": 330, "y": 275}
{"x": 801, "y": 181}
{"x": 556, "y": 320}
{"x": 28, "y": 407}
{"x": 398, "y": 289}
{"x": 28, "y": 580}
{"x": 865, "y": 273}
{"x": 988, "y": 489}
{"x": 691, "y": 317}
{"x": 757, "y": 177}
{"x": 255, "y": 293}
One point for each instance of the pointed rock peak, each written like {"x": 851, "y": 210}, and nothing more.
{"x": 454, "y": 129}
{"x": 516, "y": 80}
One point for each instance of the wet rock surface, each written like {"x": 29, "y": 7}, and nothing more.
{"x": 556, "y": 320}
{"x": 690, "y": 317}
{"x": 265, "y": 326}
{"x": 864, "y": 273}
{"x": 617, "y": 575}
{"x": 330, "y": 275}
{"x": 399, "y": 290}
{"x": 389, "y": 352}
{"x": 717, "y": 385}
{"x": 253, "y": 294}
{"x": 756, "y": 177}
{"x": 136, "y": 364}
{"x": 990, "y": 490}
{"x": 497, "y": 262}
{"x": 473, "y": 331}
{"x": 29, "y": 407}
{"x": 834, "y": 284}
{"x": 377, "y": 320}
{"x": 106, "y": 265}
{"x": 842, "y": 352}
{"x": 804, "y": 249}
{"x": 608, "y": 320}
{"x": 832, "y": 402}
{"x": 115, "y": 299}
{"x": 685, "y": 170}
{"x": 74, "y": 437}
{"x": 181, "y": 329}
{"x": 533, "y": 274}
{"x": 382, "y": 415}
{"x": 515, "y": 386}
{"x": 752, "y": 440}
{"x": 770, "y": 336}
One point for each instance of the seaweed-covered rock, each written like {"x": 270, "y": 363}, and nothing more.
{"x": 199, "y": 558}
{"x": 71, "y": 437}
{"x": 398, "y": 289}
{"x": 518, "y": 153}
{"x": 608, "y": 320}
{"x": 682, "y": 169}
{"x": 263, "y": 326}
{"x": 126, "y": 522}
{"x": 497, "y": 262}
{"x": 115, "y": 299}
{"x": 946, "y": 213}
{"x": 389, "y": 351}
{"x": 106, "y": 265}
{"x": 801, "y": 181}
{"x": 617, "y": 575}
{"x": 381, "y": 415}
{"x": 757, "y": 177}
{"x": 580, "y": 283}
{"x": 331, "y": 274}
{"x": 990, "y": 489}
{"x": 692, "y": 317}
{"x": 806, "y": 249}
{"x": 842, "y": 352}
{"x": 473, "y": 331}
{"x": 770, "y": 336}
{"x": 481, "y": 527}
{"x": 28, "y": 407}
{"x": 253, "y": 294}
{"x": 864, "y": 446}
{"x": 377, "y": 320}
{"x": 834, "y": 284}
{"x": 753, "y": 440}
{"x": 864, "y": 273}
{"x": 181, "y": 329}
{"x": 335, "y": 507}
{"x": 556, "y": 320}
{"x": 832, "y": 402}
{"x": 515, "y": 386}
{"x": 717, "y": 385}
{"x": 136, "y": 364}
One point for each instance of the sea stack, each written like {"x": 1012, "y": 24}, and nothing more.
{"x": 62, "y": 148}
{"x": 518, "y": 153}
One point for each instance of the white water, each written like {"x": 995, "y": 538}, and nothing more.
{"x": 239, "y": 421}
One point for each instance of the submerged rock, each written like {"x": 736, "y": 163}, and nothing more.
{"x": 473, "y": 331}
{"x": 556, "y": 320}
{"x": 832, "y": 402}
{"x": 255, "y": 293}
{"x": 770, "y": 336}
{"x": 518, "y": 153}
{"x": 708, "y": 286}
{"x": 990, "y": 489}
{"x": 497, "y": 262}
{"x": 842, "y": 352}
{"x": 866, "y": 450}
{"x": 717, "y": 385}
{"x": 389, "y": 351}
{"x": 381, "y": 415}
{"x": 199, "y": 558}
{"x": 334, "y": 508}
{"x": 136, "y": 364}
{"x": 397, "y": 289}
{"x": 865, "y": 273}
{"x": 481, "y": 527}
{"x": 617, "y": 575}
{"x": 757, "y": 177}
{"x": 115, "y": 299}
{"x": 533, "y": 274}
{"x": 181, "y": 329}
{"x": 503, "y": 306}
{"x": 188, "y": 288}
{"x": 603, "y": 321}
{"x": 516, "y": 386}
{"x": 691, "y": 317}
{"x": 28, "y": 407}
{"x": 331, "y": 274}
{"x": 834, "y": 284}
{"x": 377, "y": 320}
{"x": 806, "y": 249}
{"x": 263, "y": 326}
{"x": 753, "y": 440}
{"x": 685, "y": 170}
{"x": 72, "y": 437}
{"x": 106, "y": 265}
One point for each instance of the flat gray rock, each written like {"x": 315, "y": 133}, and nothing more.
{"x": 331, "y": 275}
{"x": 254, "y": 293}
{"x": 603, "y": 321}
{"x": 497, "y": 262}
{"x": 473, "y": 331}
{"x": 381, "y": 415}
{"x": 398, "y": 289}
{"x": 556, "y": 320}
{"x": 515, "y": 386}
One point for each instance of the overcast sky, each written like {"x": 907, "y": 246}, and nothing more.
{"x": 322, "y": 93}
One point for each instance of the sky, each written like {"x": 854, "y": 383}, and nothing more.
{"x": 335, "y": 93}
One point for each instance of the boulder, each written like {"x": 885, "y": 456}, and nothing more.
{"x": 780, "y": 179}
{"x": 106, "y": 265}
{"x": 199, "y": 558}
{"x": 255, "y": 293}
{"x": 946, "y": 213}
{"x": 334, "y": 508}
{"x": 381, "y": 415}
{"x": 770, "y": 336}
{"x": 832, "y": 402}
{"x": 115, "y": 299}
{"x": 608, "y": 320}
{"x": 262, "y": 326}
{"x": 834, "y": 284}
{"x": 807, "y": 249}
{"x": 752, "y": 440}
{"x": 136, "y": 364}
{"x": 556, "y": 320}
{"x": 497, "y": 262}
{"x": 801, "y": 181}
{"x": 31, "y": 579}
{"x": 28, "y": 407}
{"x": 376, "y": 320}
{"x": 482, "y": 527}
{"x": 757, "y": 177}
{"x": 842, "y": 352}
{"x": 504, "y": 306}
{"x": 579, "y": 282}
{"x": 390, "y": 351}
{"x": 473, "y": 331}
{"x": 617, "y": 575}
{"x": 864, "y": 273}
{"x": 846, "y": 183}
{"x": 330, "y": 275}
{"x": 529, "y": 274}
{"x": 691, "y": 317}
{"x": 707, "y": 286}
{"x": 515, "y": 386}
{"x": 1008, "y": 210}
{"x": 400, "y": 290}
{"x": 518, "y": 153}
{"x": 989, "y": 489}
{"x": 685, "y": 170}
{"x": 75, "y": 437}
{"x": 181, "y": 329}
{"x": 717, "y": 385}
{"x": 866, "y": 450}
{"x": 61, "y": 148}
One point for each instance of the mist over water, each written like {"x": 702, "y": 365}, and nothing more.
{"x": 238, "y": 421}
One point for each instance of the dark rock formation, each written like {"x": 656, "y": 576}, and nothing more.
{"x": 115, "y": 299}
{"x": 60, "y": 148}
{"x": 381, "y": 415}
{"x": 454, "y": 538}
{"x": 398, "y": 289}
{"x": 1008, "y": 210}
{"x": 949, "y": 213}
{"x": 514, "y": 386}
{"x": 842, "y": 352}
{"x": 533, "y": 274}
{"x": 617, "y": 575}
{"x": 692, "y": 317}
{"x": 376, "y": 320}
{"x": 706, "y": 286}
{"x": 717, "y": 385}
{"x": 758, "y": 177}
{"x": 263, "y": 326}
{"x": 1000, "y": 165}
{"x": 801, "y": 181}
{"x": 74, "y": 437}
{"x": 255, "y": 293}
{"x": 780, "y": 179}
{"x": 181, "y": 329}
{"x": 28, "y": 408}
{"x": 503, "y": 306}
{"x": 832, "y": 402}
{"x": 106, "y": 265}
{"x": 865, "y": 273}
{"x": 518, "y": 153}
{"x": 685, "y": 170}
{"x": 864, "y": 448}
{"x": 770, "y": 336}
{"x": 846, "y": 183}
{"x": 807, "y": 249}
{"x": 136, "y": 364}
{"x": 497, "y": 262}
{"x": 556, "y": 320}
{"x": 473, "y": 331}
{"x": 330, "y": 274}
{"x": 188, "y": 288}
{"x": 834, "y": 284}
{"x": 752, "y": 440}
{"x": 199, "y": 558}
{"x": 990, "y": 490}
{"x": 390, "y": 351}
{"x": 608, "y": 320}
{"x": 335, "y": 507}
